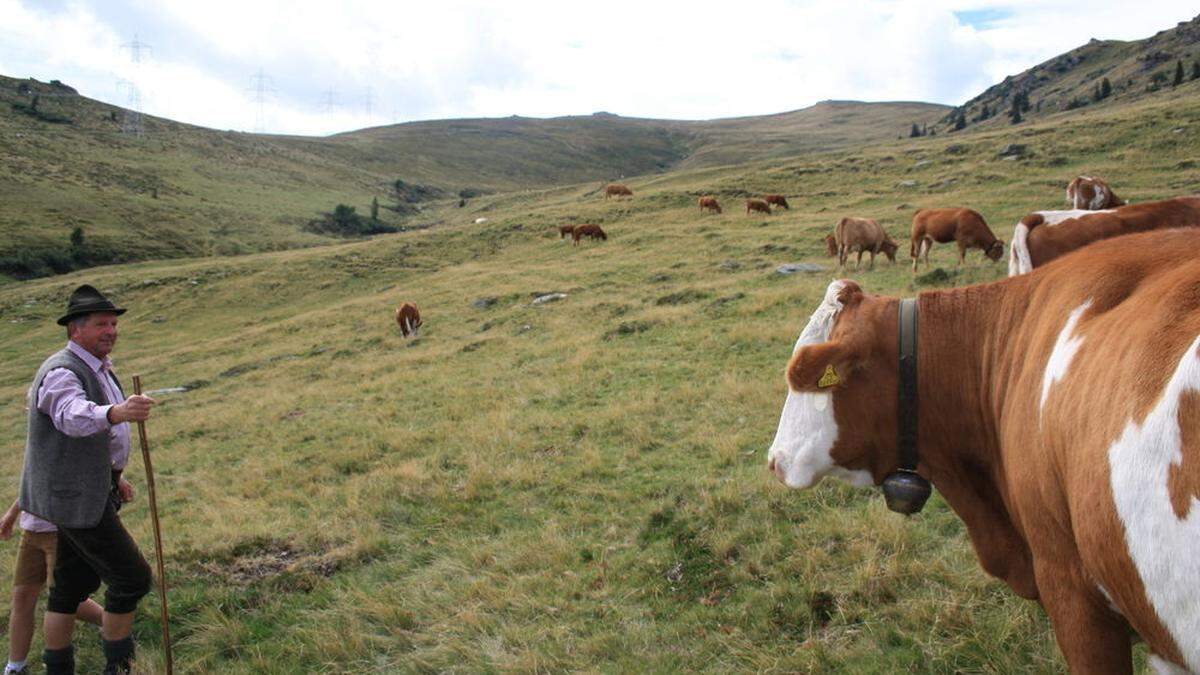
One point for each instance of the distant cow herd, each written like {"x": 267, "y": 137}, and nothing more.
{"x": 1096, "y": 213}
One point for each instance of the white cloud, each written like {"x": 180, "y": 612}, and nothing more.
{"x": 463, "y": 58}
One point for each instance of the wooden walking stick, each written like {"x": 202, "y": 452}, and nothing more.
{"x": 158, "y": 547}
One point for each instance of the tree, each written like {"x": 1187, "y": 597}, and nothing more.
{"x": 1178, "y": 73}
{"x": 374, "y": 208}
{"x": 960, "y": 122}
{"x": 915, "y": 132}
{"x": 1015, "y": 113}
{"x": 1105, "y": 88}
{"x": 77, "y": 238}
{"x": 1096, "y": 94}
{"x": 1196, "y": 70}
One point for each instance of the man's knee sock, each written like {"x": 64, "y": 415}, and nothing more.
{"x": 59, "y": 661}
{"x": 118, "y": 655}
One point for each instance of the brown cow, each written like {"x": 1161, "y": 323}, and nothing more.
{"x": 1058, "y": 416}
{"x": 1044, "y": 235}
{"x": 409, "y": 319}
{"x": 592, "y": 231}
{"x": 964, "y": 226}
{"x": 564, "y": 230}
{"x": 777, "y": 200}
{"x": 709, "y": 204}
{"x": 1092, "y": 194}
{"x": 863, "y": 235}
{"x": 617, "y": 190}
{"x": 757, "y": 205}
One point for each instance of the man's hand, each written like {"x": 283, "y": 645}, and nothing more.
{"x": 124, "y": 490}
{"x": 8, "y": 520}
{"x": 136, "y": 408}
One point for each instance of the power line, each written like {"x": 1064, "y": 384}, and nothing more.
{"x": 329, "y": 101}
{"x": 262, "y": 86}
{"x": 131, "y": 123}
{"x": 136, "y": 48}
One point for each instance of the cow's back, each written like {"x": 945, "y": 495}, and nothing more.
{"x": 1047, "y": 242}
{"x": 1099, "y": 405}
{"x": 941, "y": 225}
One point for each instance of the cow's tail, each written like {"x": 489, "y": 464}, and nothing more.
{"x": 1019, "y": 261}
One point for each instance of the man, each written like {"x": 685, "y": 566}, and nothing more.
{"x": 35, "y": 563}
{"x": 77, "y": 447}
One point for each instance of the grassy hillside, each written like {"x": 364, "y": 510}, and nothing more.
{"x": 1135, "y": 70}
{"x": 181, "y": 191}
{"x": 576, "y": 485}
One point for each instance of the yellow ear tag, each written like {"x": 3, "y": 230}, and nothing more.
{"x": 829, "y": 379}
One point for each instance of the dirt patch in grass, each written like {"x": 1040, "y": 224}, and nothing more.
{"x": 260, "y": 560}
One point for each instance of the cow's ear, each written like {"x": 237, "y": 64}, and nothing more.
{"x": 820, "y": 367}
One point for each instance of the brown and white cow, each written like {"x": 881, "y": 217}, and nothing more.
{"x": 709, "y": 204}
{"x": 409, "y": 319}
{"x": 1058, "y": 416}
{"x": 592, "y": 231}
{"x": 757, "y": 205}
{"x": 1044, "y": 235}
{"x": 1091, "y": 194}
{"x": 863, "y": 235}
{"x": 617, "y": 190}
{"x": 777, "y": 200}
{"x": 964, "y": 226}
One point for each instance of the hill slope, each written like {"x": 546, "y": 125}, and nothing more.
{"x": 575, "y": 485}
{"x": 180, "y": 190}
{"x": 1135, "y": 70}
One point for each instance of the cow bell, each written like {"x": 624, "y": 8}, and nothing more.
{"x": 906, "y": 492}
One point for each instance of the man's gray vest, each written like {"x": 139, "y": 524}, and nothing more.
{"x": 66, "y": 480}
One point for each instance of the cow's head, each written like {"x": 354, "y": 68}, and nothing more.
{"x": 889, "y": 249}
{"x": 840, "y": 414}
{"x": 996, "y": 250}
{"x": 830, "y": 245}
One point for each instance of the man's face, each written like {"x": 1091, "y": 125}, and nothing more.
{"x": 97, "y": 333}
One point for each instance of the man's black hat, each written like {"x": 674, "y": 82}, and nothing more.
{"x": 87, "y": 300}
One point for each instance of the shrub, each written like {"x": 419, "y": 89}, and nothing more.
{"x": 344, "y": 221}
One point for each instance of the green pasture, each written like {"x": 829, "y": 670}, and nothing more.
{"x": 578, "y": 485}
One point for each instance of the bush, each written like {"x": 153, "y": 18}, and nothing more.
{"x": 344, "y": 221}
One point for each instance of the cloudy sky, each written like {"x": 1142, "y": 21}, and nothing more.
{"x": 334, "y": 66}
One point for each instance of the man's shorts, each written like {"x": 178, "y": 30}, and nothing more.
{"x": 35, "y": 558}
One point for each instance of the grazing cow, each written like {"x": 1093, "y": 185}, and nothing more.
{"x": 757, "y": 205}
{"x": 1057, "y": 413}
{"x": 564, "y": 230}
{"x": 964, "y": 226}
{"x": 409, "y": 319}
{"x": 1091, "y": 194}
{"x": 617, "y": 190}
{"x": 777, "y": 200}
{"x": 709, "y": 204}
{"x": 863, "y": 235}
{"x": 592, "y": 231}
{"x": 1044, "y": 235}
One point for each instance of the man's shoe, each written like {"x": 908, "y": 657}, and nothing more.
{"x": 124, "y": 667}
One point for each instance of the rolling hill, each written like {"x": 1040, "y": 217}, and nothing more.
{"x": 1134, "y": 70}
{"x": 180, "y": 191}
